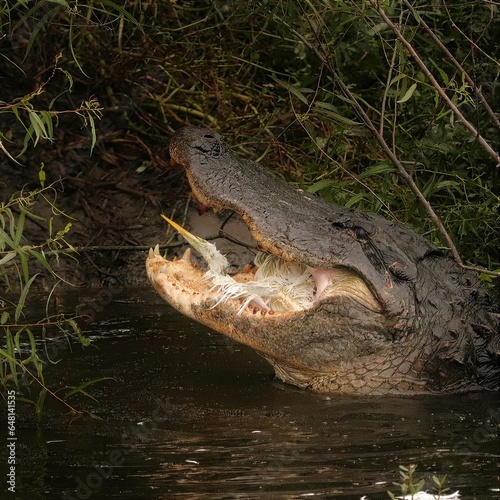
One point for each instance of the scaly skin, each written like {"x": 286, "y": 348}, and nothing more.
{"x": 409, "y": 319}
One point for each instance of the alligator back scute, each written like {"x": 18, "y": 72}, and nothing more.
{"x": 484, "y": 322}
{"x": 487, "y": 349}
{"x": 461, "y": 314}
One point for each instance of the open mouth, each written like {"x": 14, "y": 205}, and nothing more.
{"x": 270, "y": 286}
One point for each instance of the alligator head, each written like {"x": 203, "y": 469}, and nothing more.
{"x": 343, "y": 301}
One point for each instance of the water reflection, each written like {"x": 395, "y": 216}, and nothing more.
{"x": 192, "y": 415}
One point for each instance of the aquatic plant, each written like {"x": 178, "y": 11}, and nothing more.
{"x": 25, "y": 265}
{"x": 412, "y": 488}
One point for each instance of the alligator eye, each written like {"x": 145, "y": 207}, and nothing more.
{"x": 211, "y": 145}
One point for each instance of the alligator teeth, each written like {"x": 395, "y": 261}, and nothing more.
{"x": 246, "y": 269}
{"x": 157, "y": 249}
{"x": 187, "y": 255}
{"x": 215, "y": 260}
{"x": 151, "y": 253}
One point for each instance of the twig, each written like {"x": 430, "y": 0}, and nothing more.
{"x": 53, "y": 394}
{"x": 457, "y": 65}
{"x": 388, "y": 151}
{"x": 386, "y": 90}
{"x": 395, "y": 160}
{"x": 491, "y": 152}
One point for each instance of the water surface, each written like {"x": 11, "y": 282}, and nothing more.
{"x": 189, "y": 414}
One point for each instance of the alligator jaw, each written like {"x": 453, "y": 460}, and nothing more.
{"x": 183, "y": 285}
{"x": 277, "y": 285}
{"x": 281, "y": 335}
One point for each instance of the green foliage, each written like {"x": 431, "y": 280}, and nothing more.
{"x": 25, "y": 350}
{"x": 450, "y": 167}
{"x": 40, "y": 123}
{"x": 257, "y": 71}
{"x": 25, "y": 267}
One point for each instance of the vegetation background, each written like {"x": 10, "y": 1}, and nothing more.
{"x": 390, "y": 106}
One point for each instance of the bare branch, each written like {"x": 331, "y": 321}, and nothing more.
{"x": 457, "y": 65}
{"x": 491, "y": 152}
{"x": 388, "y": 151}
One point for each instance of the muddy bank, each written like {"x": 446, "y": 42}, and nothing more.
{"x": 114, "y": 211}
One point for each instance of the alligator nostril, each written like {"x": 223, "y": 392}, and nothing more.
{"x": 209, "y": 136}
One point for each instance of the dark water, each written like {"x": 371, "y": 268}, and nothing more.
{"x": 191, "y": 415}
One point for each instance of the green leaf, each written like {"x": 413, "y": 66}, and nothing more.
{"x": 4, "y": 149}
{"x": 72, "y": 48}
{"x": 322, "y": 184}
{"x": 442, "y": 73}
{"x": 20, "y": 227}
{"x": 83, "y": 340}
{"x": 7, "y": 258}
{"x": 447, "y": 184}
{"x": 10, "y": 354}
{"x": 35, "y": 359}
{"x": 429, "y": 186}
{"x": 4, "y": 318}
{"x": 81, "y": 387}
{"x": 354, "y": 200}
{"x": 298, "y": 94}
{"x": 42, "y": 259}
{"x": 122, "y": 11}
{"x": 417, "y": 15}
{"x": 39, "y": 403}
{"x": 397, "y": 78}
{"x": 22, "y": 297}
{"x": 69, "y": 77}
{"x": 330, "y": 111}
{"x": 24, "y": 265}
{"x": 378, "y": 28}
{"x": 28, "y": 136}
{"x": 419, "y": 486}
{"x": 91, "y": 121}
{"x": 380, "y": 168}
{"x": 60, "y": 2}
{"x": 408, "y": 94}
{"x": 46, "y": 119}
{"x": 294, "y": 90}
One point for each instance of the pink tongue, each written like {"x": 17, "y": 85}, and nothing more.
{"x": 322, "y": 278}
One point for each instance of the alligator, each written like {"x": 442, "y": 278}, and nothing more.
{"x": 340, "y": 301}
